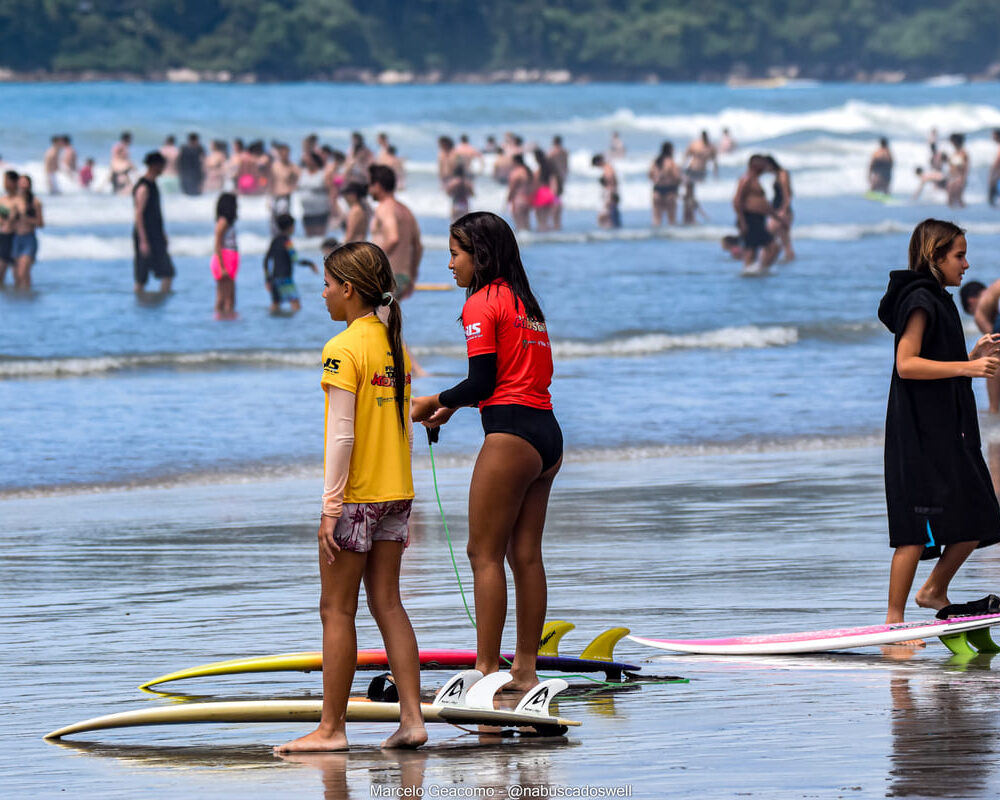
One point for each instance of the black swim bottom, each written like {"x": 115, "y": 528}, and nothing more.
{"x": 538, "y": 427}
{"x": 6, "y": 243}
{"x": 158, "y": 263}
{"x": 757, "y": 234}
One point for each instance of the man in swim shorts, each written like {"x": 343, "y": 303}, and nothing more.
{"x": 880, "y": 168}
{"x": 698, "y": 154}
{"x": 395, "y": 230}
{"x": 752, "y": 208}
{"x": 148, "y": 236}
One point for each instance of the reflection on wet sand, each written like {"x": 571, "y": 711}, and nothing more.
{"x": 462, "y": 760}
{"x": 943, "y": 729}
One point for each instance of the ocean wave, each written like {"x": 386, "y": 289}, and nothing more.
{"x": 91, "y": 247}
{"x": 753, "y": 126}
{"x": 739, "y": 337}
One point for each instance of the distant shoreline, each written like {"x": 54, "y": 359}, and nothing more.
{"x": 737, "y": 78}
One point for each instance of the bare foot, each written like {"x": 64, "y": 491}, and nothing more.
{"x": 907, "y": 643}
{"x": 925, "y": 599}
{"x": 315, "y": 742}
{"x": 406, "y": 738}
{"x": 521, "y": 683}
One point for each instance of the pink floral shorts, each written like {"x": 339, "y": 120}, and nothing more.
{"x": 360, "y": 524}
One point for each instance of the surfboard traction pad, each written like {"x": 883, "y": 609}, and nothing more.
{"x": 600, "y": 652}
{"x": 466, "y": 698}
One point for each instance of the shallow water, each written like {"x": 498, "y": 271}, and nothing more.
{"x": 106, "y": 590}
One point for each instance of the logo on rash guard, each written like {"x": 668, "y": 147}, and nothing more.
{"x": 473, "y": 331}
{"x": 389, "y": 379}
{"x": 529, "y": 324}
{"x": 331, "y": 365}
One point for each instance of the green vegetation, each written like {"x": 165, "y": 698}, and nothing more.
{"x": 674, "y": 39}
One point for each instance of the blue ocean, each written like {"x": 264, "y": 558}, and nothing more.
{"x": 660, "y": 345}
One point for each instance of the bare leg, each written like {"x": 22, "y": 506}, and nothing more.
{"x": 524, "y": 554}
{"x": 506, "y": 468}
{"x": 672, "y": 209}
{"x": 382, "y": 589}
{"x": 165, "y": 285}
{"x": 769, "y": 254}
{"x": 219, "y": 296}
{"x": 22, "y": 272}
{"x": 901, "y": 572}
{"x": 337, "y": 606}
{"x": 934, "y": 592}
{"x": 993, "y": 392}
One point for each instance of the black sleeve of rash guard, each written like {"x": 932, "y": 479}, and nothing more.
{"x": 478, "y": 386}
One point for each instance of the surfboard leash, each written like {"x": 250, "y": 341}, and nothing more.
{"x": 432, "y": 438}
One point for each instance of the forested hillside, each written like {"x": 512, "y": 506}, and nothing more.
{"x": 674, "y": 39}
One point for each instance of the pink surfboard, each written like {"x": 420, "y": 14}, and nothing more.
{"x": 953, "y": 632}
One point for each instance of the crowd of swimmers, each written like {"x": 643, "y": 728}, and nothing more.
{"x": 334, "y": 186}
{"x": 946, "y": 171}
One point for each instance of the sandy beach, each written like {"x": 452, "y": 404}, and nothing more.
{"x": 106, "y": 590}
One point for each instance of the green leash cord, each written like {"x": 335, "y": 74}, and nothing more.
{"x": 432, "y": 437}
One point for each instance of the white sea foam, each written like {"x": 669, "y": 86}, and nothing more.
{"x": 644, "y": 344}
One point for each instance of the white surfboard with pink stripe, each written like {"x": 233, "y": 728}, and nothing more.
{"x": 950, "y": 631}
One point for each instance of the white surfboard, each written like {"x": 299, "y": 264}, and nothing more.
{"x": 449, "y": 706}
{"x": 962, "y": 635}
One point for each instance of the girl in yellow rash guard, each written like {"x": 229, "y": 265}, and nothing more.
{"x": 368, "y": 491}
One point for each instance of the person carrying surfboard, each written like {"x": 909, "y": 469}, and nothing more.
{"x": 510, "y": 369}
{"x": 940, "y": 498}
{"x": 367, "y": 491}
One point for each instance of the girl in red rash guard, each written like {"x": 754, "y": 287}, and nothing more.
{"x": 510, "y": 369}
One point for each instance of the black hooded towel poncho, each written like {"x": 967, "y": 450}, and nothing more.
{"x": 937, "y": 487}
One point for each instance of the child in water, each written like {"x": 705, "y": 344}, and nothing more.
{"x": 279, "y": 264}
{"x": 940, "y": 498}
{"x": 367, "y": 492}
{"x": 226, "y": 256}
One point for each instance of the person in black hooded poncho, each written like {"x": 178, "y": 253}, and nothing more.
{"x": 940, "y": 498}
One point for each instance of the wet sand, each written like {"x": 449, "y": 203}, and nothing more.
{"x": 103, "y": 591}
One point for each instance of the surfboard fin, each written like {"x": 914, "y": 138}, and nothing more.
{"x": 454, "y": 692}
{"x": 982, "y": 641}
{"x": 551, "y": 634}
{"x": 603, "y": 646}
{"x": 958, "y": 643}
{"x": 480, "y": 696}
{"x": 537, "y": 700}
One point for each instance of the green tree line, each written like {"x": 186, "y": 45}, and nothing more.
{"x": 674, "y": 39}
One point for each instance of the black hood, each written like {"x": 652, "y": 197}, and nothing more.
{"x": 901, "y": 283}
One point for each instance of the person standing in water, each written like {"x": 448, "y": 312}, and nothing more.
{"x": 395, "y": 230}
{"x": 226, "y": 256}
{"x": 149, "y": 240}
{"x": 667, "y": 179}
{"x": 24, "y": 246}
{"x": 880, "y": 168}
{"x": 781, "y": 207}
{"x": 367, "y": 492}
{"x": 752, "y": 210}
{"x": 510, "y": 369}
{"x": 940, "y": 498}
{"x": 958, "y": 171}
{"x": 8, "y": 216}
